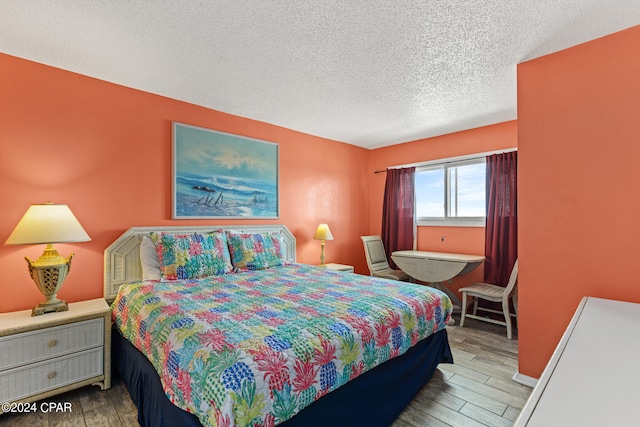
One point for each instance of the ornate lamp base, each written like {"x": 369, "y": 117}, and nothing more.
{"x": 50, "y": 307}
{"x": 48, "y": 272}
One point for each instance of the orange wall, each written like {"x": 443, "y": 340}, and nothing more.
{"x": 579, "y": 203}
{"x": 105, "y": 150}
{"x": 456, "y": 239}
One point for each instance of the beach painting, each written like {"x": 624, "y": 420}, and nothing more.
{"x": 221, "y": 175}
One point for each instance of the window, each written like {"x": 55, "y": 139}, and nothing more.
{"x": 451, "y": 193}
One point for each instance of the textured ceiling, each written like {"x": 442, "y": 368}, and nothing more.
{"x": 365, "y": 72}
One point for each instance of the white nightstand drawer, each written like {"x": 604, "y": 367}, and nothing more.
{"x": 40, "y": 377}
{"x": 28, "y": 347}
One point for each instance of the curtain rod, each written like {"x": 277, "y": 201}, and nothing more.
{"x": 449, "y": 159}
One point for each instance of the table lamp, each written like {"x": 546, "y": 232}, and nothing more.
{"x": 48, "y": 224}
{"x": 322, "y": 233}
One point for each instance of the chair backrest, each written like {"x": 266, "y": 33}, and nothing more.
{"x": 375, "y": 255}
{"x": 513, "y": 279}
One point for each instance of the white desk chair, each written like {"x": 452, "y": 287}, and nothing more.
{"x": 377, "y": 260}
{"x": 493, "y": 293}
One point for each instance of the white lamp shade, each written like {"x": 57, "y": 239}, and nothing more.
{"x": 323, "y": 233}
{"x": 47, "y": 223}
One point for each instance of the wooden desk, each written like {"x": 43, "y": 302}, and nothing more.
{"x": 436, "y": 267}
{"x": 592, "y": 377}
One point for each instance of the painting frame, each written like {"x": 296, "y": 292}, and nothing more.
{"x": 220, "y": 175}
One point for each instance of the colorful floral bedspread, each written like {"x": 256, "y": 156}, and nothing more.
{"x": 254, "y": 348}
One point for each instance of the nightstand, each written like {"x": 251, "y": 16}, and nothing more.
{"x": 339, "y": 267}
{"x": 45, "y": 355}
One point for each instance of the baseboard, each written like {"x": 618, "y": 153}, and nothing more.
{"x": 524, "y": 380}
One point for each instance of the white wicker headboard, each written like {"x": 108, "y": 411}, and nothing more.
{"x": 122, "y": 257}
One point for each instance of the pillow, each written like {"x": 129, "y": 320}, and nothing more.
{"x": 149, "y": 260}
{"x": 255, "y": 251}
{"x": 192, "y": 256}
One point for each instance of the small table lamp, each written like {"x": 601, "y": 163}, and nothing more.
{"x": 322, "y": 233}
{"x": 48, "y": 223}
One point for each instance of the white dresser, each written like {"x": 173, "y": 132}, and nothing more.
{"x": 593, "y": 377}
{"x": 45, "y": 355}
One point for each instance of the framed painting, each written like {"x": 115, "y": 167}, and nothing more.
{"x": 221, "y": 175}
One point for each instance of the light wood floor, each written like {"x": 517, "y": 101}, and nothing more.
{"x": 475, "y": 391}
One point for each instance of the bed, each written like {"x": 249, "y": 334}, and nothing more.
{"x": 258, "y": 339}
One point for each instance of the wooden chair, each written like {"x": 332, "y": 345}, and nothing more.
{"x": 492, "y": 293}
{"x": 377, "y": 260}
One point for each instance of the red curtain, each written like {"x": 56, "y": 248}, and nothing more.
{"x": 398, "y": 211}
{"x": 501, "y": 239}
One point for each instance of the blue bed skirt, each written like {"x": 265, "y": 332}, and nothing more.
{"x": 375, "y": 398}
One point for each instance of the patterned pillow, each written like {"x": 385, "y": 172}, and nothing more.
{"x": 191, "y": 256}
{"x": 255, "y": 251}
